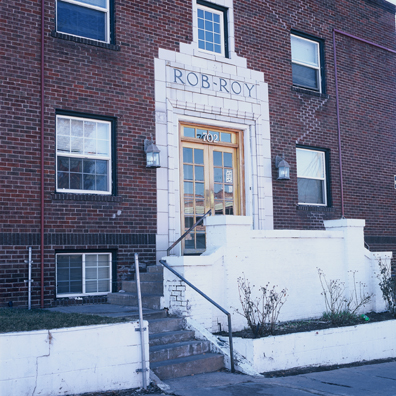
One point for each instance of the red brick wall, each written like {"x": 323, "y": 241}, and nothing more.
{"x": 88, "y": 79}
{"x": 120, "y": 83}
{"x": 367, "y": 92}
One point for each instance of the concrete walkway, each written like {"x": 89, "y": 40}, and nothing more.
{"x": 370, "y": 380}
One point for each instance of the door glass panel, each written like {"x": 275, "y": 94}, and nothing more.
{"x": 226, "y": 137}
{"x": 228, "y": 160}
{"x": 228, "y": 191}
{"x": 201, "y": 133}
{"x": 216, "y": 136}
{"x": 219, "y": 207}
{"x": 218, "y": 175}
{"x": 188, "y": 222}
{"x": 199, "y": 207}
{"x": 228, "y": 176}
{"x": 217, "y": 158}
{"x": 218, "y": 191}
{"x": 201, "y": 243}
{"x": 229, "y": 208}
{"x": 199, "y": 173}
{"x": 198, "y": 156}
{"x": 187, "y": 155}
{"x": 188, "y": 172}
{"x": 189, "y": 241}
{"x": 189, "y": 132}
{"x": 199, "y": 190}
{"x": 188, "y": 189}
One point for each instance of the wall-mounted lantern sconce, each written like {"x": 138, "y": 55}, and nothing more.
{"x": 283, "y": 168}
{"x": 152, "y": 154}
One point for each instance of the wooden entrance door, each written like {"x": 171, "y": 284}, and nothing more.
{"x": 210, "y": 179}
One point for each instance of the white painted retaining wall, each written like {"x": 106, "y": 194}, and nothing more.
{"x": 286, "y": 258}
{"x": 323, "y": 347}
{"x": 71, "y": 360}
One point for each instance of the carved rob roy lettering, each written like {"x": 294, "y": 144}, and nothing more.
{"x": 213, "y": 83}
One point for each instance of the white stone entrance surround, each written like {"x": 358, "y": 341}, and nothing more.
{"x": 199, "y": 87}
{"x": 286, "y": 258}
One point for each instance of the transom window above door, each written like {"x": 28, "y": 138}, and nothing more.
{"x": 208, "y": 135}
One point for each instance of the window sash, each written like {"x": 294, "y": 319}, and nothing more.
{"x": 308, "y": 64}
{"x": 320, "y": 156}
{"x": 222, "y": 33}
{"x": 105, "y": 10}
{"x": 86, "y": 280}
{"x": 84, "y": 155}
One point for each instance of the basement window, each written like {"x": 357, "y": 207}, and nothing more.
{"x": 79, "y": 274}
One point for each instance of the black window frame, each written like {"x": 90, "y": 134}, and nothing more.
{"x": 322, "y": 70}
{"x": 113, "y": 150}
{"x": 88, "y": 40}
{"x": 329, "y": 201}
{"x": 224, "y": 10}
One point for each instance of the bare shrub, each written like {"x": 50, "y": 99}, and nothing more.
{"x": 387, "y": 284}
{"x": 261, "y": 312}
{"x": 341, "y": 309}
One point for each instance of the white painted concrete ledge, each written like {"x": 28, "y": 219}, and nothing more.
{"x": 71, "y": 360}
{"x": 342, "y": 345}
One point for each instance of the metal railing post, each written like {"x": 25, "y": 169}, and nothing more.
{"x": 144, "y": 370}
{"x": 29, "y": 280}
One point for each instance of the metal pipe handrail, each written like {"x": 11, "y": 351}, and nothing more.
{"x": 139, "y": 295}
{"x": 211, "y": 301}
{"x": 188, "y": 231}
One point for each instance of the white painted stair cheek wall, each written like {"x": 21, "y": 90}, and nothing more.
{"x": 285, "y": 258}
{"x": 72, "y": 360}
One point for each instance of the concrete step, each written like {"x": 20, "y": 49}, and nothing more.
{"x": 166, "y": 324}
{"x": 170, "y": 337}
{"x": 155, "y": 268}
{"x": 145, "y": 287}
{"x": 151, "y": 301}
{"x": 155, "y": 273}
{"x": 177, "y": 350}
{"x": 196, "y": 364}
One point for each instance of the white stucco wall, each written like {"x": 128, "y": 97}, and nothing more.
{"x": 71, "y": 360}
{"x": 285, "y": 258}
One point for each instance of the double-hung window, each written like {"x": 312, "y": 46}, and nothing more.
{"x": 311, "y": 177}
{"x": 83, "y": 274}
{"x": 84, "y": 18}
{"x": 83, "y": 151}
{"x": 212, "y": 28}
{"x": 307, "y": 63}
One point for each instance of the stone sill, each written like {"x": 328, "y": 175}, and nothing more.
{"x": 309, "y": 92}
{"x": 312, "y": 208}
{"x": 83, "y": 40}
{"x": 85, "y": 197}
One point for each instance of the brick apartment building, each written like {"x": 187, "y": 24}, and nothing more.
{"x": 223, "y": 88}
